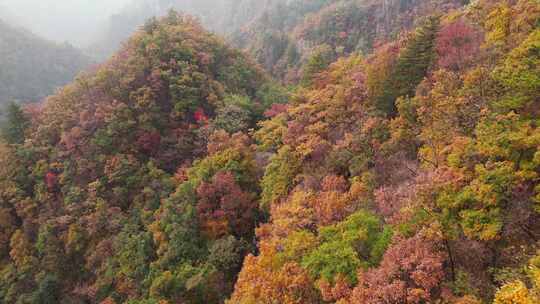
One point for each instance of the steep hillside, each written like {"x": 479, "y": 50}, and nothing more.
{"x": 32, "y": 68}
{"x": 410, "y": 175}
{"x": 283, "y": 34}
{"x": 289, "y": 33}
{"x": 101, "y": 198}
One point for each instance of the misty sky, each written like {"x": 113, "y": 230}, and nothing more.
{"x": 75, "y": 21}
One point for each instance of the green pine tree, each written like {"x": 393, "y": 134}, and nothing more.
{"x": 412, "y": 66}
{"x": 15, "y": 124}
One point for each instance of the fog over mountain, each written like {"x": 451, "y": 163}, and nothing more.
{"x": 101, "y": 25}
{"x": 32, "y": 67}
{"x": 75, "y": 21}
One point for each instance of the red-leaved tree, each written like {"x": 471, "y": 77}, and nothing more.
{"x": 224, "y": 207}
{"x": 411, "y": 272}
{"x": 149, "y": 142}
{"x": 51, "y": 179}
{"x": 457, "y": 42}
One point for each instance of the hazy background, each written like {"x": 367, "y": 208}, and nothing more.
{"x": 74, "y": 21}
{"x": 45, "y": 43}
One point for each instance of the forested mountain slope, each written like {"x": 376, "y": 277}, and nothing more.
{"x": 32, "y": 68}
{"x": 410, "y": 175}
{"x": 283, "y": 34}
{"x": 289, "y": 33}
{"x": 178, "y": 172}
{"x": 99, "y": 193}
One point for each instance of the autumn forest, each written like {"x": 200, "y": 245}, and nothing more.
{"x": 280, "y": 152}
